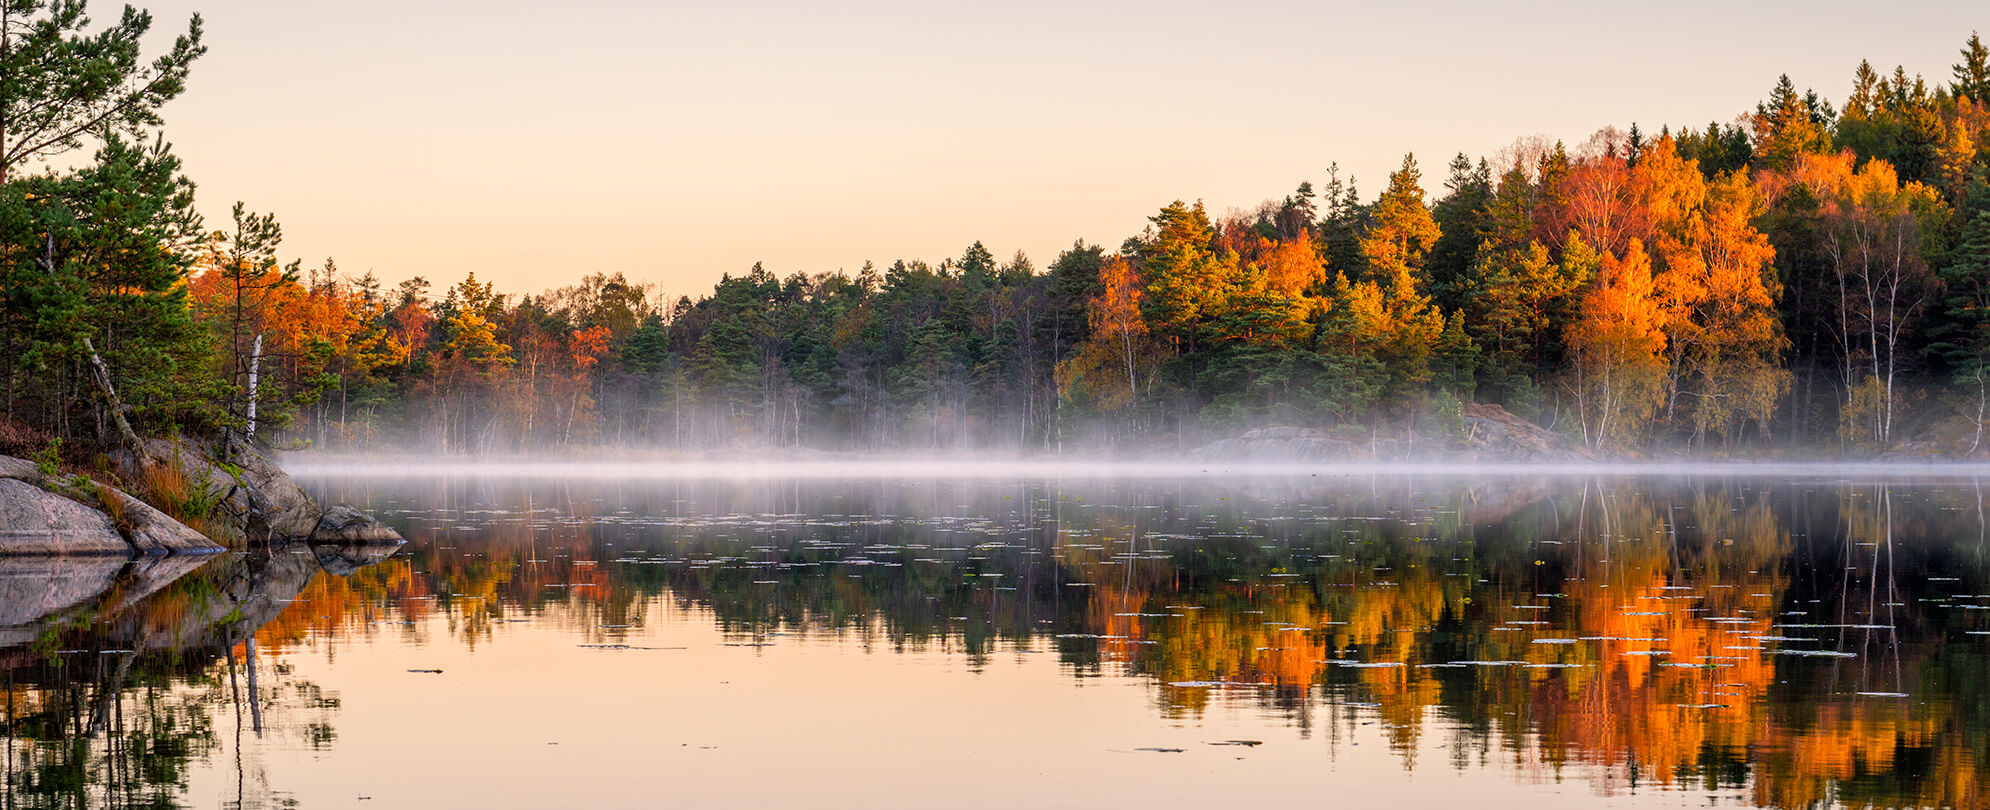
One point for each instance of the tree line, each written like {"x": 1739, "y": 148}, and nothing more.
{"x": 1803, "y": 276}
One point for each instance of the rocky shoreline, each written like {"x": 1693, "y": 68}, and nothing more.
{"x": 235, "y": 491}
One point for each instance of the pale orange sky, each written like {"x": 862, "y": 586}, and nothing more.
{"x": 673, "y": 142}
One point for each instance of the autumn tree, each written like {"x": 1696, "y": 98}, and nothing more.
{"x": 1715, "y": 279}
{"x": 1401, "y": 231}
{"x": 1733, "y": 365}
{"x": 1617, "y": 348}
{"x": 469, "y": 366}
{"x": 1602, "y": 195}
{"x": 1111, "y": 364}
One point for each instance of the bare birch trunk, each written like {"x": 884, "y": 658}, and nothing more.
{"x": 255, "y": 374}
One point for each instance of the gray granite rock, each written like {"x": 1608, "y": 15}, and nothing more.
{"x": 155, "y": 532}
{"x": 344, "y": 524}
{"x": 277, "y": 503}
{"x": 1284, "y": 445}
{"x": 36, "y": 521}
{"x": 143, "y": 528}
{"x": 262, "y": 503}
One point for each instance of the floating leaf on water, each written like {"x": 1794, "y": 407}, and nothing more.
{"x": 427, "y": 671}
{"x": 1247, "y": 743}
{"x": 1163, "y": 750}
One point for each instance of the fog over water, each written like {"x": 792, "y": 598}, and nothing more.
{"x": 1059, "y": 467}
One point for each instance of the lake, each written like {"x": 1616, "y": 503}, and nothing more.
{"x": 838, "y": 635}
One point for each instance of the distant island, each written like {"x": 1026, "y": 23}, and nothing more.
{"x": 1807, "y": 279}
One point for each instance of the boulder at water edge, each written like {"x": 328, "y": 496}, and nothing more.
{"x": 36, "y": 521}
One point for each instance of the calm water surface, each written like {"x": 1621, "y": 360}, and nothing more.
{"x": 1213, "y": 640}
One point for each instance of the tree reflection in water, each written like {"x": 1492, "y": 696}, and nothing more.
{"x": 114, "y": 676}
{"x": 1737, "y": 636}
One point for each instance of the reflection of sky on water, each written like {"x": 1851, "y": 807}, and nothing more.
{"x": 884, "y": 641}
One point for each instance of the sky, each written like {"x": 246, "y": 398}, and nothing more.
{"x": 532, "y": 143}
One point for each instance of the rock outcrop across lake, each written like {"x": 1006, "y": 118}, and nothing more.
{"x": 344, "y": 524}
{"x": 1483, "y": 433}
{"x": 1284, "y": 445}
{"x": 1494, "y": 434}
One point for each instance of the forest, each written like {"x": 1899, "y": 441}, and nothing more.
{"x": 1803, "y": 279}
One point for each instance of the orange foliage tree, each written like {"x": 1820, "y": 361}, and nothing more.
{"x": 1617, "y": 347}
{"x": 1110, "y": 364}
